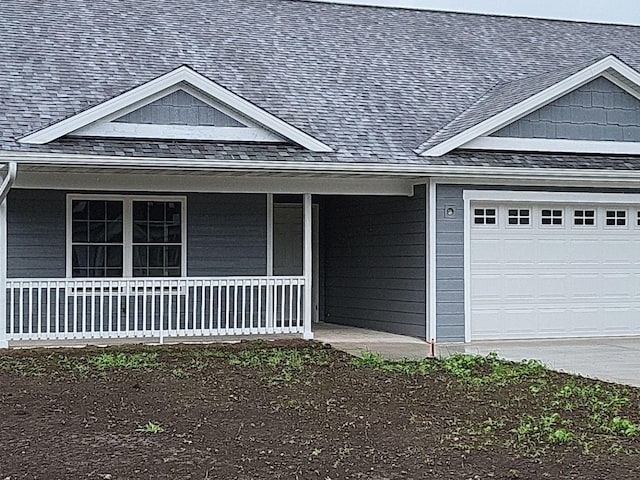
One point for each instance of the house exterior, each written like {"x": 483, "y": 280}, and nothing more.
{"x": 251, "y": 167}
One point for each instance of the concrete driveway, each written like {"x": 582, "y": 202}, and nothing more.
{"x": 613, "y": 359}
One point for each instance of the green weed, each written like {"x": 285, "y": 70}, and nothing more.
{"x": 108, "y": 361}
{"x": 150, "y": 427}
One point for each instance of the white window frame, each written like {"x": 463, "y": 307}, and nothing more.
{"x": 518, "y": 217}
{"x": 583, "y": 209}
{"x": 616, "y": 218}
{"x": 127, "y": 227}
{"x": 563, "y": 217}
{"x": 484, "y": 208}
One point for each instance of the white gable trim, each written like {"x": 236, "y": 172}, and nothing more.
{"x": 517, "y": 144}
{"x": 107, "y": 127}
{"x": 539, "y": 100}
{"x": 156, "y": 89}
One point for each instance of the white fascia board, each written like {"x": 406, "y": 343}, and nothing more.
{"x": 178, "y": 132}
{"x": 412, "y": 170}
{"x": 180, "y": 75}
{"x": 553, "y": 145}
{"x": 535, "y": 102}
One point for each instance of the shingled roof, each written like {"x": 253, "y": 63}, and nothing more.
{"x": 373, "y": 83}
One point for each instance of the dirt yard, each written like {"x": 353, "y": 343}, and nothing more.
{"x": 297, "y": 410}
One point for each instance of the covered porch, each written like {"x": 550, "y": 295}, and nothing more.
{"x": 256, "y": 255}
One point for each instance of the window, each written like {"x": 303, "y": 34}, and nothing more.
{"x": 97, "y": 238}
{"x": 519, "y": 216}
{"x": 551, "y": 217}
{"x": 584, "y": 217}
{"x": 125, "y": 237}
{"x": 616, "y": 218}
{"x": 638, "y": 221}
{"x": 484, "y": 216}
{"x": 157, "y": 238}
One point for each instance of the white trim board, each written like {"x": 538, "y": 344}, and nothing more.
{"x": 144, "y": 182}
{"x": 518, "y": 144}
{"x": 160, "y": 85}
{"x": 352, "y": 168}
{"x": 539, "y": 100}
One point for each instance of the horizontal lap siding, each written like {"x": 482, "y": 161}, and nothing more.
{"x": 36, "y": 234}
{"x": 226, "y": 234}
{"x": 374, "y": 262}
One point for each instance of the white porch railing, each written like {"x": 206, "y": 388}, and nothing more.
{"x": 63, "y": 309}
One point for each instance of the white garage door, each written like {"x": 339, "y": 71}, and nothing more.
{"x": 553, "y": 270}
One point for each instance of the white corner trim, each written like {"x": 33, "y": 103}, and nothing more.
{"x": 553, "y": 145}
{"x": 466, "y": 282}
{"x": 182, "y": 74}
{"x": 8, "y": 181}
{"x": 537, "y": 101}
{"x": 177, "y": 132}
{"x": 431, "y": 252}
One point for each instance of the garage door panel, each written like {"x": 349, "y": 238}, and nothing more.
{"x": 553, "y": 281}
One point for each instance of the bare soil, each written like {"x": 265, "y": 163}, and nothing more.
{"x": 233, "y": 415}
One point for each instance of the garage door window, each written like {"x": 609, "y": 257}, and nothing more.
{"x": 616, "y": 218}
{"x": 584, "y": 218}
{"x": 519, "y": 216}
{"x": 551, "y": 217}
{"x": 485, "y": 216}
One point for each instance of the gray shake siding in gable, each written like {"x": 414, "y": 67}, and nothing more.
{"x": 374, "y": 262}
{"x": 598, "y": 111}
{"x": 226, "y": 234}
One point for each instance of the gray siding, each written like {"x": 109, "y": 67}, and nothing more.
{"x": 180, "y": 108}
{"x": 450, "y": 254}
{"x": 226, "y": 234}
{"x": 598, "y": 110}
{"x": 36, "y": 233}
{"x": 374, "y": 262}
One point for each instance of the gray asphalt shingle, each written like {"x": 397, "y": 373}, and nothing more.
{"x": 373, "y": 83}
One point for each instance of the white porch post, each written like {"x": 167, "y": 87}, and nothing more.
{"x": 308, "y": 266}
{"x": 3, "y": 275}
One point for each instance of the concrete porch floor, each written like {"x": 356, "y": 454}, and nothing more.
{"x": 612, "y": 359}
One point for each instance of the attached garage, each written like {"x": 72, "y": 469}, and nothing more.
{"x": 551, "y": 265}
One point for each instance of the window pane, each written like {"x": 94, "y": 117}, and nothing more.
{"x": 139, "y": 256}
{"x": 140, "y": 211}
{"x": 156, "y": 211}
{"x": 114, "y": 256}
{"x": 114, "y": 210}
{"x": 174, "y": 234}
{"x": 156, "y": 233}
{"x": 97, "y": 232}
{"x": 80, "y": 210}
{"x": 140, "y": 232}
{"x": 173, "y": 256}
{"x": 97, "y": 210}
{"x": 79, "y": 256}
{"x": 80, "y": 231}
{"x": 97, "y": 254}
{"x": 114, "y": 232}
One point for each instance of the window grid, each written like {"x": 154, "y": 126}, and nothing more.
{"x": 518, "y": 216}
{"x": 166, "y": 237}
{"x": 551, "y": 217}
{"x": 97, "y": 238}
{"x": 485, "y": 216}
{"x": 616, "y": 218}
{"x": 584, "y": 218}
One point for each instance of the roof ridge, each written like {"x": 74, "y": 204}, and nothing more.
{"x": 481, "y": 14}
